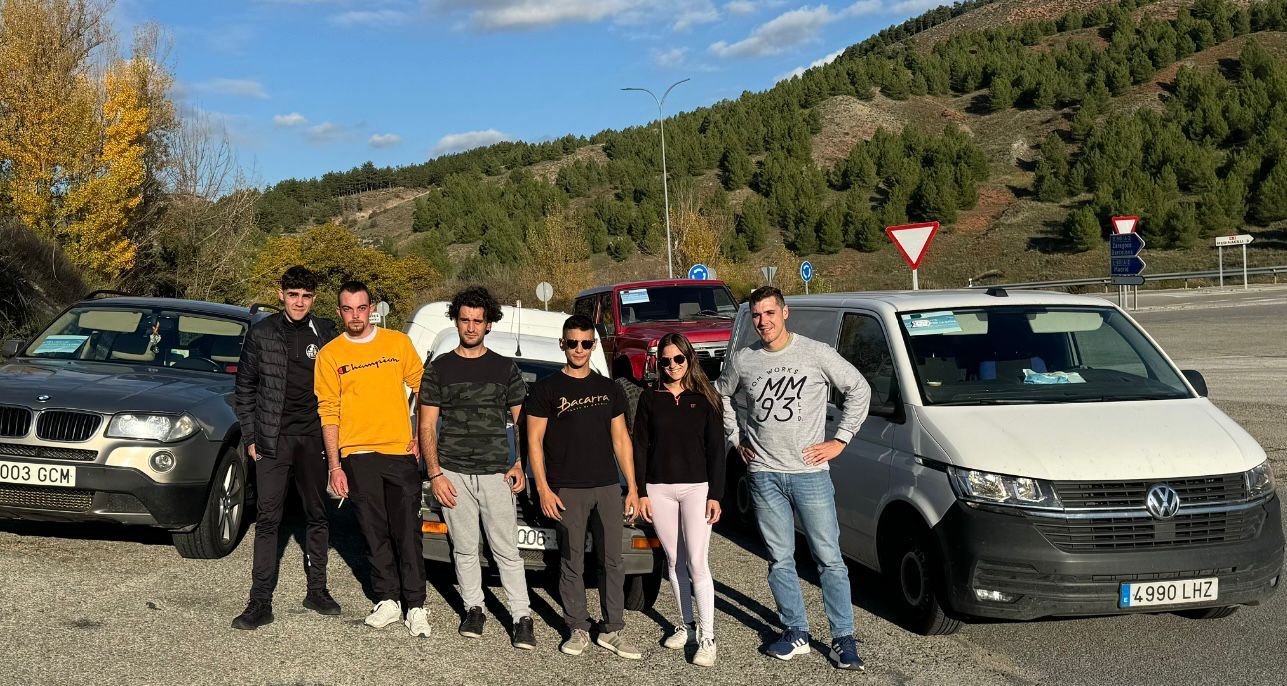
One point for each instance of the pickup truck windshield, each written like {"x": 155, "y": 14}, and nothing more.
{"x": 154, "y": 337}
{"x": 676, "y": 304}
{"x": 1023, "y": 355}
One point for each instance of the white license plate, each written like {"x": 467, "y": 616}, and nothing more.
{"x": 37, "y": 474}
{"x": 532, "y": 538}
{"x": 1168, "y": 592}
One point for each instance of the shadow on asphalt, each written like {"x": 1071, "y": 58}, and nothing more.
{"x": 86, "y": 531}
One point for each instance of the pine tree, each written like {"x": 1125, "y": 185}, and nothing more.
{"x": 1082, "y": 229}
{"x": 736, "y": 168}
{"x": 831, "y": 232}
{"x": 753, "y": 223}
{"x": 1052, "y": 170}
{"x": 1270, "y": 203}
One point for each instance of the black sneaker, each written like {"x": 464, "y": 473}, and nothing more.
{"x": 321, "y": 602}
{"x": 524, "y": 635}
{"x": 258, "y": 613}
{"x": 472, "y": 626}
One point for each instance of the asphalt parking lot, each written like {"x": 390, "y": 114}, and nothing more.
{"x": 107, "y": 605}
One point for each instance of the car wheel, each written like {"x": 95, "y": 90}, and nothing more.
{"x": 642, "y": 591}
{"x": 633, "y": 391}
{"x": 738, "y": 492}
{"x": 221, "y": 526}
{"x": 1208, "y": 612}
{"x": 912, "y": 570}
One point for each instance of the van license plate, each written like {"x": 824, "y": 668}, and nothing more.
{"x": 532, "y": 538}
{"x": 1169, "y": 592}
{"x": 37, "y": 474}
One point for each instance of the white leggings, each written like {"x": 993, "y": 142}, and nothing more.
{"x": 679, "y": 516}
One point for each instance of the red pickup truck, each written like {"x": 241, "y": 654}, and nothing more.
{"x": 632, "y": 317}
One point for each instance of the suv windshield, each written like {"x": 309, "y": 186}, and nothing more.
{"x": 140, "y": 335}
{"x": 535, "y": 370}
{"x": 1019, "y": 355}
{"x": 676, "y": 303}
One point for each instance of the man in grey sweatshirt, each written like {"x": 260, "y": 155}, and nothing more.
{"x": 785, "y": 381}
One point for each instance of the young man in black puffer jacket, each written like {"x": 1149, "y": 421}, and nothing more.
{"x": 282, "y": 432}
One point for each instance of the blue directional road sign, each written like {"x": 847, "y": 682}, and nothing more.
{"x": 1125, "y": 245}
{"x": 1127, "y": 266}
{"x": 806, "y": 271}
{"x": 699, "y": 272}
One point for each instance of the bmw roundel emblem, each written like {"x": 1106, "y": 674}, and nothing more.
{"x": 42, "y": 398}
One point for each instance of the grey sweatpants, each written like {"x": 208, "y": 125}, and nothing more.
{"x": 600, "y": 509}
{"x": 486, "y": 497}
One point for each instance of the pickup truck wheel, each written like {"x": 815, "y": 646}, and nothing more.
{"x": 1209, "y": 612}
{"x": 633, "y": 391}
{"x": 221, "y": 526}
{"x": 642, "y": 591}
{"x": 912, "y": 571}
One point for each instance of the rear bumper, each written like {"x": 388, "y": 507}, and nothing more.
{"x": 119, "y": 495}
{"x": 1001, "y": 551}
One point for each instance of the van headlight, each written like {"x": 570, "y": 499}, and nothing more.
{"x": 152, "y": 427}
{"x": 1000, "y": 489}
{"x": 1260, "y": 480}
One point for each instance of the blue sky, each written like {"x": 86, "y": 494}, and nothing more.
{"x": 309, "y": 86}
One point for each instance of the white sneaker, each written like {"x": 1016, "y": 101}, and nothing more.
{"x": 705, "y": 656}
{"x": 418, "y": 621}
{"x": 680, "y": 636}
{"x": 384, "y": 613}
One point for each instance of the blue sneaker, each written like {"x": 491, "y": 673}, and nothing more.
{"x": 793, "y": 642}
{"x": 844, "y": 652}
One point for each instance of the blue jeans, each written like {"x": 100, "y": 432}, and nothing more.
{"x": 779, "y": 497}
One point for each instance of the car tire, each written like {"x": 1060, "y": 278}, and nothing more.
{"x": 912, "y": 570}
{"x": 223, "y": 523}
{"x": 632, "y": 391}
{"x": 1208, "y": 612}
{"x": 737, "y": 494}
{"x": 642, "y": 591}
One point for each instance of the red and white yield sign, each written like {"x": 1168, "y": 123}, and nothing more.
{"x": 1123, "y": 225}
{"x": 912, "y": 241}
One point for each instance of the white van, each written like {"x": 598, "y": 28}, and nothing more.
{"x": 1032, "y": 454}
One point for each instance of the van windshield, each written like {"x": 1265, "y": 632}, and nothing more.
{"x": 1029, "y": 354}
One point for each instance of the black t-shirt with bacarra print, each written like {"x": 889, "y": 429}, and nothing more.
{"x": 578, "y": 437}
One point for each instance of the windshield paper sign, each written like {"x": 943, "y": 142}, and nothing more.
{"x": 634, "y": 297}
{"x": 55, "y": 345}
{"x": 928, "y": 323}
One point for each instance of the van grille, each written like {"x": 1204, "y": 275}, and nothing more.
{"x": 15, "y": 422}
{"x": 71, "y": 427}
{"x": 1127, "y": 495}
{"x": 47, "y": 452}
{"x": 45, "y": 498}
{"x": 1105, "y": 533}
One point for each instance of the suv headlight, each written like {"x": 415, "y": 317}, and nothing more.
{"x": 1000, "y": 489}
{"x": 152, "y": 427}
{"x": 1260, "y": 480}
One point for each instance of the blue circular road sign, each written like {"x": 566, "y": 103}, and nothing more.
{"x": 806, "y": 271}
{"x": 699, "y": 272}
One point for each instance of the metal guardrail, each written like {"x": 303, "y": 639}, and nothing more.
{"x": 1106, "y": 281}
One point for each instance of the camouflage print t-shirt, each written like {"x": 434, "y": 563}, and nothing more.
{"x": 474, "y": 396}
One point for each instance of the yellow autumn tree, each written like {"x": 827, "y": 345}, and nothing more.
{"x": 559, "y": 255}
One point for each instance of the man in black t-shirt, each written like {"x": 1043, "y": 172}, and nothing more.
{"x": 476, "y": 392}
{"x": 576, "y": 426}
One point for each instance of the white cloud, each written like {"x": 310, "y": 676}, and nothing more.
{"x": 517, "y": 15}
{"x": 383, "y": 18}
{"x": 908, "y": 6}
{"x": 292, "y": 119}
{"x": 798, "y": 71}
{"x": 669, "y": 59}
{"x": 779, "y": 34}
{"x": 468, "y": 140}
{"x": 740, "y": 7}
{"x": 865, "y": 7}
{"x": 695, "y": 16}
{"x": 239, "y": 88}
{"x": 326, "y": 132}
{"x": 384, "y": 140}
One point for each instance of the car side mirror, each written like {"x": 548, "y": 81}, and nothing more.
{"x": 1194, "y": 377}
{"x": 10, "y": 348}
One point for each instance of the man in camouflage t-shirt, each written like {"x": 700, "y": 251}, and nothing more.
{"x": 476, "y": 392}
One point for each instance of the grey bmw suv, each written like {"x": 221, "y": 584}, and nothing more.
{"x": 122, "y": 411}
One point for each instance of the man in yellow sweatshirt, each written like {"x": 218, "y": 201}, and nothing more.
{"x": 362, "y": 380}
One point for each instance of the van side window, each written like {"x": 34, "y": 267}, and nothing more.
{"x": 863, "y": 344}
{"x": 606, "y": 317}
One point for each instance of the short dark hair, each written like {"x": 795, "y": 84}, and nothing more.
{"x": 299, "y": 278}
{"x": 577, "y": 322}
{"x": 766, "y": 292}
{"x": 479, "y": 297}
{"x": 353, "y": 287}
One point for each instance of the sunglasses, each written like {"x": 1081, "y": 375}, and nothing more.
{"x": 677, "y": 360}
{"x": 571, "y": 344}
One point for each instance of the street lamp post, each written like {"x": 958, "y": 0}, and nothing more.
{"x": 665, "y": 183}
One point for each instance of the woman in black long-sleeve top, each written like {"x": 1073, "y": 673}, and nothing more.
{"x": 679, "y": 469}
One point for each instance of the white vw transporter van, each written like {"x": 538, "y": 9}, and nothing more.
{"x": 1033, "y": 454}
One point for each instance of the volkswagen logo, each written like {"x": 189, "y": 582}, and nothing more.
{"x": 1162, "y": 501}
{"x": 42, "y": 398}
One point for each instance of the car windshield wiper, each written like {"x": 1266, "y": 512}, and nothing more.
{"x": 1000, "y": 401}
{"x": 716, "y": 313}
